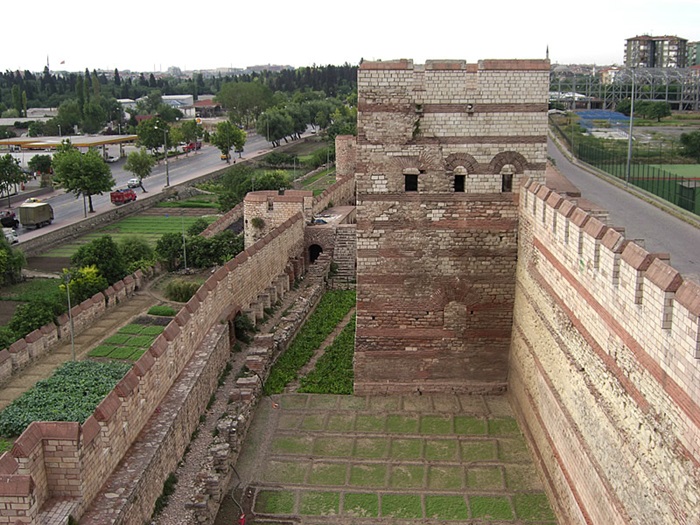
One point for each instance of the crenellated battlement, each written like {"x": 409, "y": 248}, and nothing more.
{"x": 649, "y": 298}
{"x": 605, "y": 367}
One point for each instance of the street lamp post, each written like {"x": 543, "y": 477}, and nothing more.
{"x": 629, "y": 137}
{"x": 165, "y": 150}
{"x": 59, "y": 132}
{"x": 66, "y": 277}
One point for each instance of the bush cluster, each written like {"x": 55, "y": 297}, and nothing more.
{"x": 181, "y": 290}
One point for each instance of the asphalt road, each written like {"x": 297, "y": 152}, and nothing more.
{"x": 657, "y": 230}
{"x": 67, "y": 208}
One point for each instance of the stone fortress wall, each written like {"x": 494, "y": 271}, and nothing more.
{"x": 55, "y": 462}
{"x": 605, "y": 368}
{"x": 59, "y": 469}
{"x": 441, "y": 151}
{"x": 595, "y": 340}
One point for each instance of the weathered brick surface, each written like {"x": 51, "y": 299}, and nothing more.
{"x": 436, "y": 266}
{"x": 604, "y": 371}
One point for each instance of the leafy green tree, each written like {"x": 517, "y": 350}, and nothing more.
{"x": 691, "y": 145}
{"x": 191, "y": 131}
{"x": 10, "y": 175}
{"x": 228, "y": 136}
{"x": 140, "y": 163}
{"x": 40, "y": 163}
{"x": 169, "y": 250}
{"x": 240, "y": 180}
{"x": 11, "y": 263}
{"x": 135, "y": 250}
{"x": 275, "y": 124}
{"x": 84, "y": 283}
{"x": 29, "y": 317}
{"x": 244, "y": 101}
{"x": 153, "y": 133}
{"x": 657, "y": 110}
{"x": 103, "y": 253}
{"x": 69, "y": 116}
{"x": 344, "y": 122}
{"x": 17, "y": 99}
{"x": 94, "y": 117}
{"x": 82, "y": 174}
{"x": 300, "y": 118}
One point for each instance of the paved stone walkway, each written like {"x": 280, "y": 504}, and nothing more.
{"x": 313, "y": 459}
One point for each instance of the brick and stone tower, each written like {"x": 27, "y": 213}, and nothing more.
{"x": 442, "y": 150}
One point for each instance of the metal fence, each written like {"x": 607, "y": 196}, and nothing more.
{"x": 676, "y": 189}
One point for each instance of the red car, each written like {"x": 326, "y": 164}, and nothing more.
{"x": 192, "y": 146}
{"x": 122, "y": 196}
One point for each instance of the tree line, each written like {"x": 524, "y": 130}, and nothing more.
{"x": 21, "y": 90}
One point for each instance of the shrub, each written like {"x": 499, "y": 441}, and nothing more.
{"x": 243, "y": 328}
{"x": 7, "y": 337}
{"x": 278, "y": 159}
{"x": 134, "y": 248}
{"x": 166, "y": 311}
{"x": 103, "y": 253}
{"x": 84, "y": 283}
{"x": 181, "y": 290}
{"x": 257, "y": 223}
{"x": 197, "y": 227}
{"x": 30, "y": 316}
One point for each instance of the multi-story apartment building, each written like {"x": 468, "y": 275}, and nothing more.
{"x": 655, "y": 51}
{"x": 693, "y": 53}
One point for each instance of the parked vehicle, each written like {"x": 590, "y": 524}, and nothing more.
{"x": 35, "y": 214}
{"x": 8, "y": 219}
{"x": 10, "y": 235}
{"x": 133, "y": 183}
{"x": 192, "y": 146}
{"x": 122, "y": 196}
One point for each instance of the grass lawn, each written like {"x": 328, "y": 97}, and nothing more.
{"x": 683, "y": 170}
{"x": 147, "y": 227}
{"x": 29, "y": 290}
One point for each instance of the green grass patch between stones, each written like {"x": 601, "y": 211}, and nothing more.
{"x": 533, "y": 507}
{"x": 490, "y": 507}
{"x": 370, "y": 475}
{"x": 446, "y": 507}
{"x": 319, "y": 503}
{"x": 274, "y": 502}
{"x": 361, "y": 505}
{"x": 402, "y": 506}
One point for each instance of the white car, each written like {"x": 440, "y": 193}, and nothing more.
{"x": 133, "y": 183}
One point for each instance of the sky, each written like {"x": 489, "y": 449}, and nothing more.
{"x": 151, "y": 36}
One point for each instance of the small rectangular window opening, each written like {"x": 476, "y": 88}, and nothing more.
{"x": 507, "y": 183}
{"x": 411, "y": 182}
{"x": 459, "y": 183}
